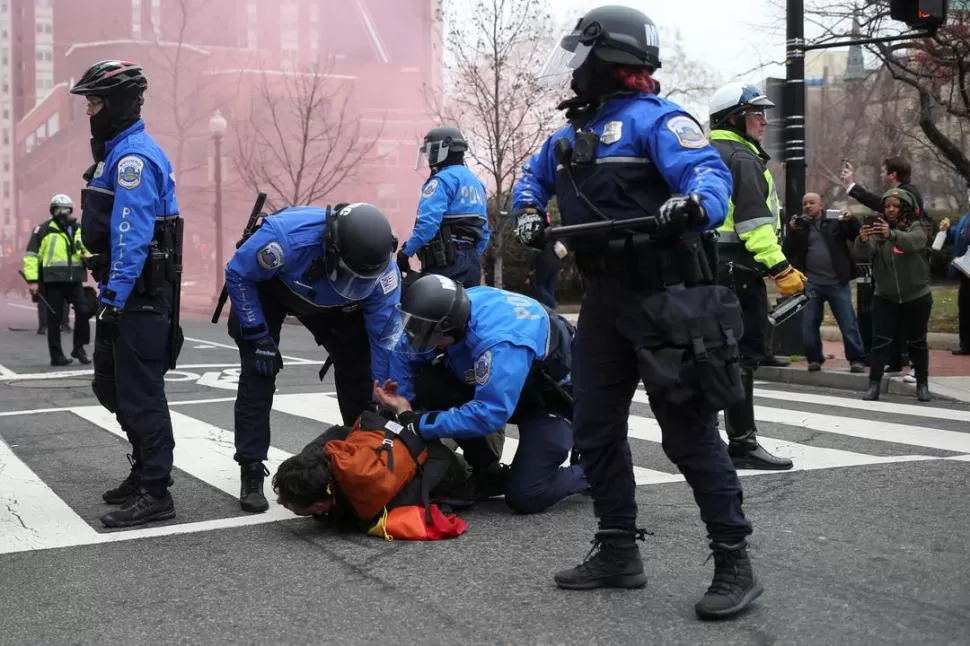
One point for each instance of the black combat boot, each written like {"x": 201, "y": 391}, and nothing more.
{"x": 141, "y": 508}
{"x": 734, "y": 587}
{"x": 615, "y": 564}
{"x": 743, "y": 446}
{"x": 129, "y": 487}
{"x": 251, "y": 496}
{"x": 923, "y": 392}
{"x": 81, "y": 356}
{"x": 872, "y": 392}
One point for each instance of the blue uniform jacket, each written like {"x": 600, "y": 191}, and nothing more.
{"x": 506, "y": 333}
{"x": 283, "y": 247}
{"x": 636, "y": 131}
{"x": 453, "y": 196}
{"x": 132, "y": 188}
{"x": 953, "y": 235}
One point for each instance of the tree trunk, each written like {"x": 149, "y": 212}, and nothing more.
{"x": 497, "y": 272}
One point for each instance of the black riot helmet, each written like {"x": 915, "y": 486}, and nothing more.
{"x": 357, "y": 249}
{"x": 439, "y": 144}
{"x": 121, "y": 87}
{"x": 614, "y": 34}
{"x": 432, "y": 307}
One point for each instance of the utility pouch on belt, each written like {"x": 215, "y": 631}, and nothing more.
{"x": 440, "y": 252}
{"x": 686, "y": 342}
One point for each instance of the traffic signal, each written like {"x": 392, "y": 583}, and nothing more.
{"x": 920, "y": 14}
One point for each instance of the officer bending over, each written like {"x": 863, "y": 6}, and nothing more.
{"x": 514, "y": 354}
{"x": 748, "y": 248}
{"x": 451, "y": 231}
{"x": 649, "y": 296}
{"x": 130, "y": 223}
{"x": 334, "y": 272}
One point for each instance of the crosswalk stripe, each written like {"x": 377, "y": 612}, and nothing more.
{"x": 203, "y": 451}
{"x": 805, "y": 458}
{"x": 860, "y": 405}
{"x": 908, "y": 434}
{"x": 32, "y": 516}
{"x": 325, "y": 409}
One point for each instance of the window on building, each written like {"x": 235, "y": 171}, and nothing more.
{"x": 387, "y": 153}
{"x": 136, "y": 19}
{"x": 6, "y": 114}
{"x": 6, "y": 189}
{"x": 29, "y": 142}
{"x": 6, "y": 164}
{"x": 53, "y": 124}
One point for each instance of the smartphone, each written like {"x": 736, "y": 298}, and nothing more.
{"x": 833, "y": 214}
{"x": 871, "y": 220}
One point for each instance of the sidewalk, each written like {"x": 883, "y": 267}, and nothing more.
{"x": 949, "y": 375}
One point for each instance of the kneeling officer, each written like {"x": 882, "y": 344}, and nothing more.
{"x": 515, "y": 354}
{"x": 334, "y": 272}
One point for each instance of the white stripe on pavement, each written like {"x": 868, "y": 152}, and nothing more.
{"x": 909, "y": 434}
{"x": 873, "y": 407}
{"x": 203, "y": 451}
{"x": 32, "y": 516}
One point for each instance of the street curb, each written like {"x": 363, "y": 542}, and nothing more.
{"x": 840, "y": 380}
{"x": 934, "y": 340}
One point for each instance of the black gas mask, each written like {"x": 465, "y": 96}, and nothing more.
{"x": 594, "y": 79}
{"x": 118, "y": 112}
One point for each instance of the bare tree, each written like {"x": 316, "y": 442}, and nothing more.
{"x": 302, "y": 140}
{"x": 501, "y": 106}
{"x": 177, "y": 84}
{"x": 682, "y": 79}
{"x": 935, "y": 70}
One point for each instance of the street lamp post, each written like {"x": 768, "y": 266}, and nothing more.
{"x": 217, "y": 127}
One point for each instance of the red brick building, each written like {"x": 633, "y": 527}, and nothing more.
{"x": 374, "y": 59}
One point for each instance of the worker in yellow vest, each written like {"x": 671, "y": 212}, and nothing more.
{"x": 55, "y": 259}
{"x": 748, "y": 249}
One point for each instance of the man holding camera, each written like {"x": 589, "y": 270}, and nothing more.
{"x": 818, "y": 244}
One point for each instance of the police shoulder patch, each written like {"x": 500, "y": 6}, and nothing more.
{"x": 270, "y": 256}
{"x": 430, "y": 188}
{"x": 483, "y": 368}
{"x": 389, "y": 280}
{"x": 688, "y": 133}
{"x": 129, "y": 171}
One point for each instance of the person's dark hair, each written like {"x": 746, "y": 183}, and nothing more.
{"x": 898, "y": 165}
{"x": 303, "y": 479}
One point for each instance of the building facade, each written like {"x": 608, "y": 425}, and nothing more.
{"x": 376, "y": 61}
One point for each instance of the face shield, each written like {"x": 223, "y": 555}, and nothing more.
{"x": 350, "y": 284}
{"x": 411, "y": 335}
{"x": 431, "y": 153}
{"x": 63, "y": 211}
{"x": 575, "y": 47}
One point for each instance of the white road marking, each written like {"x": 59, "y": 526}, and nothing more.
{"x": 32, "y": 516}
{"x": 233, "y": 347}
{"x": 895, "y": 433}
{"x": 873, "y": 407}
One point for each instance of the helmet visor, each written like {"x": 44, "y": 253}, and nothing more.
{"x": 431, "y": 153}
{"x": 566, "y": 57}
{"x": 411, "y": 335}
{"x": 350, "y": 284}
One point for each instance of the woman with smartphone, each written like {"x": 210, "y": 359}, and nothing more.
{"x": 895, "y": 244}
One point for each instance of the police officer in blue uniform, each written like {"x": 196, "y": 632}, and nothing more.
{"x": 130, "y": 223}
{"x": 451, "y": 231}
{"x": 652, "y": 310}
{"x": 512, "y": 354}
{"x": 332, "y": 270}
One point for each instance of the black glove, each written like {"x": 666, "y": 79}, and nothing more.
{"x": 265, "y": 350}
{"x": 108, "y": 314}
{"x": 529, "y": 225}
{"x": 679, "y": 214}
{"x": 403, "y": 262}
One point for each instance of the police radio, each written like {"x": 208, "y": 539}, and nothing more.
{"x": 786, "y": 308}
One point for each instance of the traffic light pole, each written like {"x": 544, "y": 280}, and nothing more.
{"x": 793, "y": 134}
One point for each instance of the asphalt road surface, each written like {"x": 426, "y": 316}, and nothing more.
{"x": 866, "y": 542}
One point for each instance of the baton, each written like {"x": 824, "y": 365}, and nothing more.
{"x": 38, "y": 294}
{"x": 555, "y": 233}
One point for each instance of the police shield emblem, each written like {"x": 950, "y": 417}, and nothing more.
{"x": 612, "y": 132}
{"x": 688, "y": 133}
{"x": 270, "y": 257}
{"x": 129, "y": 171}
{"x": 483, "y": 368}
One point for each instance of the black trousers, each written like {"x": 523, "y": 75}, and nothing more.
{"x": 42, "y": 310}
{"x": 912, "y": 318}
{"x": 605, "y": 377}
{"x": 749, "y": 286}
{"x": 343, "y": 335}
{"x": 963, "y": 310}
{"x": 130, "y": 361}
{"x": 60, "y": 296}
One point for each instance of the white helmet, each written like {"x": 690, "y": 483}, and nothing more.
{"x": 733, "y": 98}
{"x": 61, "y": 201}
